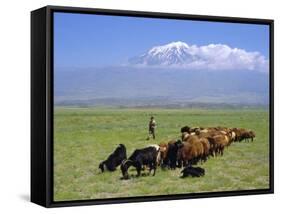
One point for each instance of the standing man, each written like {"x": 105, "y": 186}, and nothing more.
{"x": 151, "y": 128}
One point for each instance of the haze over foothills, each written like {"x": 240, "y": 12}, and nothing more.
{"x": 127, "y": 61}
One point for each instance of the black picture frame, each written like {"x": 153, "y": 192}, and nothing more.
{"x": 42, "y": 105}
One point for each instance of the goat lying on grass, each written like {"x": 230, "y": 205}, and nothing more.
{"x": 192, "y": 171}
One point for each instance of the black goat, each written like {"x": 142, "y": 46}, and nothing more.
{"x": 192, "y": 171}
{"x": 172, "y": 154}
{"x": 185, "y": 129}
{"x": 114, "y": 159}
{"x": 141, "y": 157}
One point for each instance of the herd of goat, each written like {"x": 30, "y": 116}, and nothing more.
{"x": 196, "y": 145}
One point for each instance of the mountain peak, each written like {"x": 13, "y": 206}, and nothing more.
{"x": 173, "y": 47}
{"x": 178, "y": 44}
{"x": 174, "y": 53}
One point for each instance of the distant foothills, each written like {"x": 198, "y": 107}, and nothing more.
{"x": 175, "y": 75}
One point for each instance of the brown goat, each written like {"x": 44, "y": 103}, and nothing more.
{"x": 194, "y": 149}
{"x": 247, "y": 135}
{"x": 219, "y": 142}
{"x": 239, "y": 132}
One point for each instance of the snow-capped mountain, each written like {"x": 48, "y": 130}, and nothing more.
{"x": 208, "y": 57}
{"x": 175, "y": 53}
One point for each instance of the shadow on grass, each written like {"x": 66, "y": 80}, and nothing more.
{"x": 135, "y": 176}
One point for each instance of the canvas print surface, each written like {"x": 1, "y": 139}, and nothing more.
{"x": 150, "y": 106}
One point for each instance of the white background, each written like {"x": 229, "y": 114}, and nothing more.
{"x": 15, "y": 105}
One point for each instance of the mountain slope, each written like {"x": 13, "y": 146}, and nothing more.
{"x": 168, "y": 86}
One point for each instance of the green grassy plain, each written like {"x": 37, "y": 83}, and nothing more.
{"x": 83, "y": 137}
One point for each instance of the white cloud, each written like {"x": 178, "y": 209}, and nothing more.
{"x": 208, "y": 57}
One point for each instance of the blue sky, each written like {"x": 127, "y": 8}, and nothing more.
{"x": 83, "y": 40}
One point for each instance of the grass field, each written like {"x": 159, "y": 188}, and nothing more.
{"x": 83, "y": 137}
